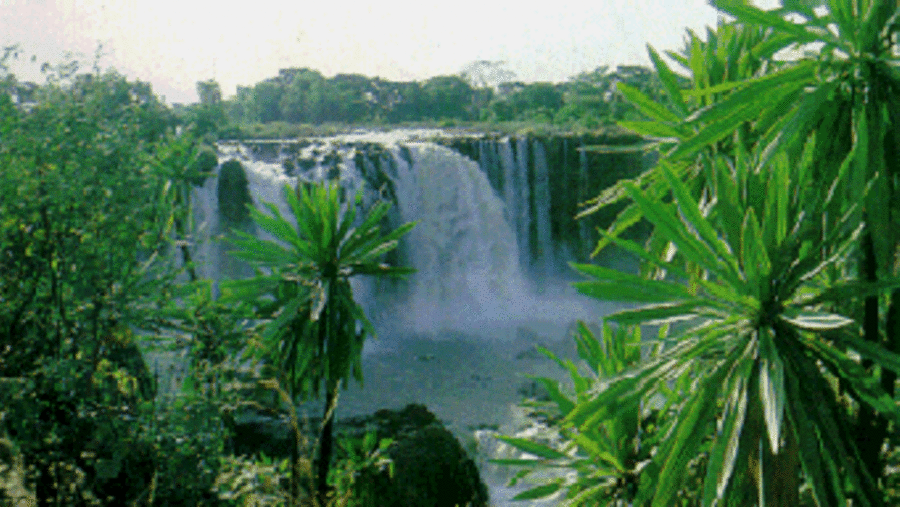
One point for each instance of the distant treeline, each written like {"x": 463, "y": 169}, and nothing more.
{"x": 305, "y": 96}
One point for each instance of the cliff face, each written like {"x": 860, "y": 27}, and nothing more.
{"x": 498, "y": 208}
{"x": 554, "y": 177}
{"x": 542, "y": 181}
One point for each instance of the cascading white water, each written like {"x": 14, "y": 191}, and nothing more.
{"x": 464, "y": 250}
{"x": 542, "y": 209}
{"x": 481, "y": 260}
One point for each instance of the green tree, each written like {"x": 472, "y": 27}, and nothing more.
{"x": 301, "y": 94}
{"x": 265, "y": 103}
{"x": 315, "y": 329}
{"x": 84, "y": 230}
{"x": 448, "y": 97}
{"x": 209, "y": 114}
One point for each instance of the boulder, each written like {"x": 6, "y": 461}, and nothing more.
{"x": 431, "y": 468}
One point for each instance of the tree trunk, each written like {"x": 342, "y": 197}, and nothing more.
{"x": 892, "y": 342}
{"x": 871, "y": 428}
{"x": 783, "y": 484}
{"x": 295, "y": 449}
{"x": 326, "y": 442}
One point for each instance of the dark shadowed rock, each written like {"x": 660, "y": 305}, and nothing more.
{"x": 431, "y": 468}
{"x": 233, "y": 193}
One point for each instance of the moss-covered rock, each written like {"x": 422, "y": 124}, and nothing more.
{"x": 203, "y": 166}
{"x": 233, "y": 194}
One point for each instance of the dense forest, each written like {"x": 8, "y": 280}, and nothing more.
{"x": 304, "y": 96}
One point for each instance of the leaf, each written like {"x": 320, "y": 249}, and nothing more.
{"x": 681, "y": 445}
{"x": 755, "y": 259}
{"x": 539, "y": 491}
{"x": 530, "y": 447}
{"x": 613, "y": 285}
{"x": 672, "y": 229}
{"x": 533, "y": 463}
{"x": 655, "y": 129}
{"x": 771, "y": 387}
{"x": 815, "y": 321}
{"x": 729, "y": 269}
{"x": 657, "y": 314}
{"x": 878, "y": 354}
{"x": 275, "y": 224}
{"x": 742, "y": 106}
{"x": 725, "y": 447}
{"x": 753, "y": 15}
{"x": 865, "y": 386}
{"x": 646, "y": 105}
{"x": 564, "y": 404}
{"x": 669, "y": 81}
{"x": 845, "y": 291}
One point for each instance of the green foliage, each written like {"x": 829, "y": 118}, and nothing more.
{"x": 311, "y": 264}
{"x": 87, "y": 211}
{"x": 360, "y": 462}
{"x": 606, "y": 456}
{"x": 314, "y": 330}
{"x": 304, "y": 96}
{"x": 773, "y": 210}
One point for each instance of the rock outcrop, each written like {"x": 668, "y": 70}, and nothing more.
{"x": 431, "y": 468}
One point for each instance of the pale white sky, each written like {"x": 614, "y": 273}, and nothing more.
{"x": 175, "y": 43}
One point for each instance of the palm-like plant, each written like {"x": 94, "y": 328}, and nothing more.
{"x": 314, "y": 330}
{"x": 776, "y": 203}
{"x": 763, "y": 338}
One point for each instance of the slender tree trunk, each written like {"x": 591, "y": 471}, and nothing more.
{"x": 783, "y": 485}
{"x": 871, "y": 428}
{"x": 295, "y": 449}
{"x": 892, "y": 342}
{"x": 326, "y": 446}
{"x": 327, "y": 328}
{"x": 185, "y": 251}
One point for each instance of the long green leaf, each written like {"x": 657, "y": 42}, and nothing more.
{"x": 878, "y": 354}
{"x": 815, "y": 321}
{"x": 681, "y": 446}
{"x": 809, "y": 450}
{"x": 671, "y": 228}
{"x": 754, "y": 16}
{"x": 771, "y": 387}
{"x": 655, "y": 129}
{"x": 845, "y": 291}
{"x": 725, "y": 447}
{"x": 539, "y": 491}
{"x": 613, "y": 285}
{"x": 754, "y": 257}
{"x": 275, "y": 224}
{"x": 866, "y": 386}
{"x": 531, "y": 447}
{"x": 657, "y": 314}
{"x": 646, "y": 105}
{"x": 729, "y": 269}
{"x": 669, "y": 80}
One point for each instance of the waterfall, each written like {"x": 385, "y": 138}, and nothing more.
{"x": 463, "y": 247}
{"x": 494, "y": 229}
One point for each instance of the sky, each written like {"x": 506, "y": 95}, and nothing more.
{"x": 175, "y": 43}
